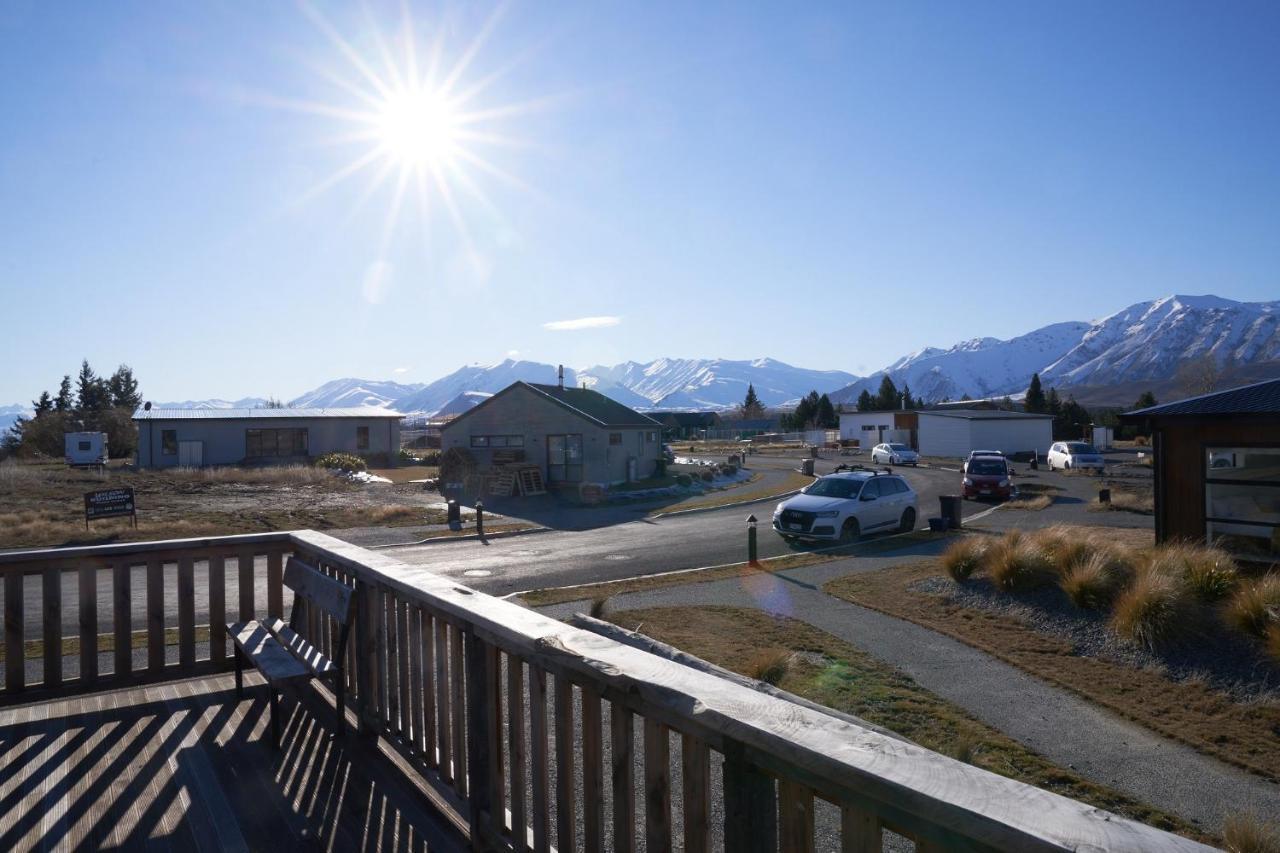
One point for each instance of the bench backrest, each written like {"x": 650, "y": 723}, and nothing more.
{"x": 329, "y": 595}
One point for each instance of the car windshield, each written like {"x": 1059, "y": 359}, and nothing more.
{"x": 835, "y": 487}
{"x": 1077, "y": 448}
{"x": 898, "y": 447}
{"x": 987, "y": 466}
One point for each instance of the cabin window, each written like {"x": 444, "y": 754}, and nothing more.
{"x": 274, "y": 443}
{"x": 1242, "y": 500}
{"x": 615, "y": 438}
{"x": 497, "y": 441}
{"x": 651, "y": 436}
{"x": 83, "y": 445}
{"x": 362, "y": 438}
{"x": 169, "y": 442}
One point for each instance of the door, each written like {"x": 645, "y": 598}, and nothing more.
{"x": 871, "y": 505}
{"x": 564, "y": 458}
{"x": 190, "y": 454}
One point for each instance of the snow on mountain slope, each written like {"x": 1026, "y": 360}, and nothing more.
{"x": 349, "y": 393}
{"x": 9, "y": 414}
{"x": 215, "y": 403}
{"x": 464, "y": 402}
{"x": 491, "y": 378}
{"x": 701, "y": 383}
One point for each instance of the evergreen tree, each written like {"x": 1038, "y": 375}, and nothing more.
{"x": 1145, "y": 400}
{"x": 1035, "y": 401}
{"x": 865, "y": 402}
{"x": 1053, "y": 405}
{"x": 92, "y": 395}
{"x": 752, "y": 408}
{"x": 887, "y": 398}
{"x": 908, "y": 401}
{"x": 826, "y": 415}
{"x": 63, "y": 402}
{"x": 44, "y": 405}
{"x": 123, "y": 389}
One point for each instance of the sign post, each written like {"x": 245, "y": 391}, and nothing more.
{"x": 109, "y": 503}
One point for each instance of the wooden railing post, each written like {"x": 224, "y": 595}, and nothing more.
{"x": 15, "y": 664}
{"x": 750, "y": 805}
{"x": 366, "y": 640}
{"x": 480, "y": 674}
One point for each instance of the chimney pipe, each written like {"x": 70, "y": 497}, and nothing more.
{"x": 561, "y": 375}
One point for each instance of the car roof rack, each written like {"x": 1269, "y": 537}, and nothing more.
{"x": 875, "y": 472}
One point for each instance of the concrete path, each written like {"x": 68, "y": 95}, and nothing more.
{"x": 1067, "y": 729}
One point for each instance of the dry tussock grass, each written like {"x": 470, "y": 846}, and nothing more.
{"x": 1031, "y": 503}
{"x": 268, "y": 475}
{"x": 14, "y": 474}
{"x": 1094, "y": 582}
{"x": 965, "y": 556}
{"x": 769, "y": 665}
{"x": 1246, "y": 833}
{"x": 1155, "y": 609}
{"x": 1018, "y": 562}
{"x": 1255, "y": 606}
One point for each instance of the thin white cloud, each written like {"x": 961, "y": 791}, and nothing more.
{"x": 581, "y": 323}
{"x": 401, "y": 370}
{"x": 513, "y": 353}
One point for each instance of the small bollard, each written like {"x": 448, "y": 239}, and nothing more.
{"x": 753, "y": 556}
{"x": 455, "y": 515}
{"x": 1104, "y": 496}
{"x": 1035, "y": 460}
{"x": 480, "y": 518}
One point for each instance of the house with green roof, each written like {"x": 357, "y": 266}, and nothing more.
{"x": 575, "y": 435}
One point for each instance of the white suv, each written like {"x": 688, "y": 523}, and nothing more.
{"x": 894, "y": 454}
{"x": 844, "y": 506}
{"x": 1074, "y": 455}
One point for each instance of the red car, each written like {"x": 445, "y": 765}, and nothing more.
{"x": 988, "y": 477}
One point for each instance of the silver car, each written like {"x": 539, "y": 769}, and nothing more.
{"x": 893, "y": 453}
{"x": 1074, "y": 455}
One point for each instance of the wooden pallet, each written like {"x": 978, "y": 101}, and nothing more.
{"x": 503, "y": 483}
{"x": 530, "y": 480}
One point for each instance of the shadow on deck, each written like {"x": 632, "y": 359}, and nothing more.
{"x": 182, "y": 765}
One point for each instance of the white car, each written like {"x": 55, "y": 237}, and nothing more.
{"x": 894, "y": 454}
{"x": 1074, "y": 455}
{"x": 843, "y": 506}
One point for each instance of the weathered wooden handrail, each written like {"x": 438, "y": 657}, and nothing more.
{"x": 458, "y": 682}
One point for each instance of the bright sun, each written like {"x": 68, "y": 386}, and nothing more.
{"x": 419, "y": 128}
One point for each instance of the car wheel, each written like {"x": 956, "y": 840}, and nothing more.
{"x": 908, "y": 521}
{"x": 850, "y": 532}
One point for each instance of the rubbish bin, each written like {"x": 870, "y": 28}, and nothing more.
{"x": 813, "y": 452}
{"x": 806, "y": 467}
{"x": 950, "y": 510}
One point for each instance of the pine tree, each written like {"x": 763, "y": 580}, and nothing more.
{"x": 64, "y": 402}
{"x": 1053, "y": 405}
{"x": 826, "y": 416}
{"x": 887, "y": 398}
{"x": 1035, "y": 401}
{"x": 123, "y": 389}
{"x": 865, "y": 402}
{"x": 44, "y": 405}
{"x": 752, "y": 408}
{"x": 1145, "y": 400}
{"x": 908, "y": 402}
{"x": 91, "y": 391}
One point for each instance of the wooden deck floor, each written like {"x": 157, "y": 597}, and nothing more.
{"x": 183, "y": 766}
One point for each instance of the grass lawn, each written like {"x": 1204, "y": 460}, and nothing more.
{"x": 1243, "y": 733}
{"x": 827, "y": 670}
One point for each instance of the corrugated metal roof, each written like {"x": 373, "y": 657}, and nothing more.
{"x": 987, "y": 415}
{"x": 246, "y": 414}
{"x": 1260, "y": 398}
{"x": 603, "y": 410}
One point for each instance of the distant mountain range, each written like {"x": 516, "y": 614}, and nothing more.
{"x": 1139, "y": 347}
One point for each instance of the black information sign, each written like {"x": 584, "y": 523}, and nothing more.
{"x": 109, "y": 503}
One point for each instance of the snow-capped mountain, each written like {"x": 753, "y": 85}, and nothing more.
{"x": 9, "y": 414}
{"x": 353, "y": 393}
{"x": 464, "y": 402}
{"x": 215, "y": 403}
{"x": 709, "y": 383}
{"x": 489, "y": 378}
{"x": 1146, "y": 341}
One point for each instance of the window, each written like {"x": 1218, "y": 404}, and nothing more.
{"x": 497, "y": 441}
{"x": 871, "y": 489}
{"x": 274, "y": 443}
{"x": 83, "y": 445}
{"x": 362, "y": 438}
{"x": 651, "y": 435}
{"x": 169, "y": 442}
{"x": 564, "y": 458}
{"x": 1242, "y": 500}
{"x": 615, "y": 438}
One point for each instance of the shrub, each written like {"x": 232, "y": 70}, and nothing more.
{"x": 728, "y": 470}
{"x": 708, "y": 475}
{"x": 1018, "y": 563}
{"x": 1211, "y": 573}
{"x": 1093, "y": 582}
{"x": 769, "y": 665}
{"x": 965, "y": 556}
{"x": 1155, "y": 610}
{"x": 1064, "y": 546}
{"x": 684, "y": 480}
{"x": 341, "y": 462}
{"x": 1246, "y": 833}
{"x": 1255, "y": 607}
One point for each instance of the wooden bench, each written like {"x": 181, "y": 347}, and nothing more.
{"x": 285, "y": 657}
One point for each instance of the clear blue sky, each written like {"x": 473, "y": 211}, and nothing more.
{"x": 829, "y": 185}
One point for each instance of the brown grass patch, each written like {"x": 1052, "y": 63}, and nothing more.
{"x": 965, "y": 556}
{"x": 1255, "y": 606}
{"x": 1241, "y": 733}
{"x": 1123, "y": 501}
{"x": 826, "y": 670}
{"x": 1018, "y": 562}
{"x": 769, "y": 665}
{"x": 1247, "y": 833}
{"x": 1093, "y": 582}
{"x": 1031, "y": 503}
{"x": 1154, "y": 610}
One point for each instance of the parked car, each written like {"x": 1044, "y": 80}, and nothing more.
{"x": 976, "y": 453}
{"x": 843, "y": 506}
{"x": 894, "y": 454}
{"x": 1074, "y": 455}
{"x": 987, "y": 477}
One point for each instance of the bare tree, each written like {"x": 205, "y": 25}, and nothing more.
{"x": 1199, "y": 375}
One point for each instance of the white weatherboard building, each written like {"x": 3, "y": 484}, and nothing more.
{"x": 170, "y": 438}
{"x": 956, "y": 432}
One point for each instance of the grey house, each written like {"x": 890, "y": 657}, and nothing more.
{"x": 168, "y": 438}
{"x": 575, "y": 435}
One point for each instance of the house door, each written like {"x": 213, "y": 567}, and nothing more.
{"x": 190, "y": 454}
{"x": 564, "y": 458}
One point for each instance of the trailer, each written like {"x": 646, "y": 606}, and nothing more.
{"x": 86, "y": 449}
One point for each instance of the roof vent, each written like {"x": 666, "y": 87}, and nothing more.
{"x": 560, "y": 373}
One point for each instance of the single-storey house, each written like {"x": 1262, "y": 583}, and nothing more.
{"x": 574, "y": 435}
{"x": 681, "y": 425}
{"x": 957, "y": 432}
{"x": 169, "y": 438}
{"x": 867, "y": 429}
{"x": 1217, "y": 468}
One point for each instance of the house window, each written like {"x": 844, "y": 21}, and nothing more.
{"x": 564, "y": 458}
{"x": 651, "y": 436}
{"x": 169, "y": 442}
{"x": 497, "y": 441}
{"x": 362, "y": 438}
{"x": 83, "y": 445}
{"x": 1242, "y": 500}
{"x": 274, "y": 443}
{"x": 615, "y": 438}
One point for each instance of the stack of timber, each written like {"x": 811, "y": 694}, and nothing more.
{"x": 522, "y": 478}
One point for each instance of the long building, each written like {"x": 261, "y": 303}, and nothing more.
{"x": 170, "y": 438}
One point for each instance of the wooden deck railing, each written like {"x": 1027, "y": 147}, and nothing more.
{"x": 507, "y": 710}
